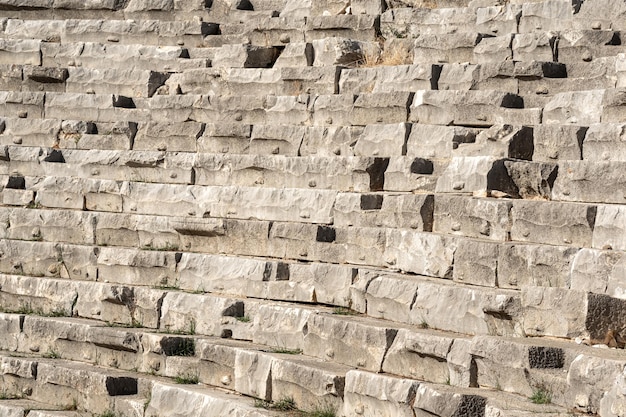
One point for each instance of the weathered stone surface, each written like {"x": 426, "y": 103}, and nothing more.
{"x": 282, "y": 326}
{"x": 386, "y": 79}
{"x": 589, "y": 380}
{"x": 605, "y": 142}
{"x": 480, "y": 311}
{"x": 500, "y": 141}
{"x": 384, "y": 296}
{"x": 384, "y": 210}
{"x": 604, "y": 313}
{"x": 453, "y": 47}
{"x": 590, "y": 181}
{"x": 420, "y": 356}
{"x": 442, "y": 401}
{"x": 558, "y": 142}
{"x": 349, "y": 341}
{"x": 553, "y": 312}
{"x": 534, "y": 180}
{"x": 253, "y": 374}
{"x": 521, "y": 265}
{"x": 370, "y": 394}
{"x": 610, "y": 228}
{"x": 568, "y": 108}
{"x": 599, "y": 271}
{"x": 412, "y": 174}
{"x": 553, "y": 223}
{"x": 470, "y": 217}
{"x": 493, "y": 49}
{"x": 383, "y": 140}
{"x": 476, "y": 263}
{"x": 420, "y": 253}
{"x": 338, "y": 51}
{"x": 534, "y": 46}
{"x": 432, "y": 141}
{"x": 477, "y": 174}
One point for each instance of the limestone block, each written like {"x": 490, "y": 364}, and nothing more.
{"x": 81, "y": 135}
{"x": 432, "y": 141}
{"x": 10, "y": 327}
{"x": 384, "y": 108}
{"x": 409, "y": 19}
{"x": 149, "y": 5}
{"x": 480, "y": 310}
{"x": 321, "y": 172}
{"x": 500, "y": 141}
{"x": 225, "y": 138}
{"x": 419, "y": 355}
{"x": 12, "y": 197}
{"x": 477, "y": 175}
{"x": 35, "y": 294}
{"x": 558, "y": 142}
{"x": 498, "y": 19}
{"x": 613, "y": 105}
{"x": 605, "y": 142}
{"x": 419, "y": 252}
{"x": 287, "y": 110}
{"x": 169, "y": 400}
{"x": 384, "y": 210}
{"x": 610, "y": 228}
{"x": 272, "y": 139}
{"x": 132, "y": 83}
{"x": 556, "y": 312}
{"x": 230, "y": 275}
{"x": 155, "y": 231}
{"x": 590, "y": 181}
{"x": 585, "y": 45}
{"x": 553, "y": 223}
{"x": 476, "y": 263}
{"x": 383, "y": 140}
{"x": 384, "y": 296}
{"x": 568, "y": 108}
{"x": 386, "y": 79}
{"x": 612, "y": 403}
{"x": 370, "y": 394}
{"x": 347, "y": 341}
{"x": 589, "y": 380}
{"x": 198, "y": 313}
{"x": 360, "y": 27}
{"x": 62, "y": 192}
{"x": 534, "y": 180}
{"x": 172, "y": 137}
{"x": 460, "y": 363}
{"x": 309, "y": 206}
{"x": 599, "y": 271}
{"x": 337, "y": 51}
{"x": 11, "y": 77}
{"x": 313, "y": 384}
{"x": 480, "y": 218}
{"x": 253, "y": 374}
{"x": 550, "y": 15}
{"x": 531, "y": 46}
{"x": 295, "y": 54}
{"x": 174, "y": 108}
{"x": 521, "y": 265}
{"x": 20, "y": 51}
{"x": 154, "y": 268}
{"x": 332, "y": 110}
{"x": 363, "y": 246}
{"x": 453, "y": 47}
{"x": 16, "y": 103}
{"x": 445, "y": 402}
{"x": 281, "y": 326}
{"x": 493, "y": 49}
{"x": 52, "y": 225}
{"x": 460, "y": 76}
{"x": 329, "y": 283}
{"x": 308, "y": 80}
{"x": 95, "y": 107}
{"x": 467, "y": 108}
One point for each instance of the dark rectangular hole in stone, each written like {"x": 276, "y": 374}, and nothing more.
{"x": 121, "y": 386}
{"x": 282, "y": 272}
{"x": 16, "y": 183}
{"x": 325, "y": 234}
{"x": 371, "y": 201}
{"x": 541, "y": 357}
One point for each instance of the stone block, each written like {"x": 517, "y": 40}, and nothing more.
{"x": 539, "y": 46}
{"x": 385, "y": 108}
{"x": 420, "y": 253}
{"x": 452, "y": 47}
{"x": 432, "y": 141}
{"x": 493, "y": 49}
{"x": 558, "y": 142}
{"x": 567, "y": 108}
{"x": 521, "y": 265}
{"x": 478, "y": 175}
{"x": 281, "y": 326}
{"x": 476, "y": 263}
{"x": 384, "y": 210}
{"x": 173, "y": 137}
{"x": 599, "y": 271}
{"x": 553, "y": 223}
{"x": 500, "y": 141}
{"x": 590, "y": 181}
{"x": 556, "y": 312}
{"x": 412, "y": 174}
{"x": 347, "y": 341}
{"x": 369, "y": 394}
{"x": 534, "y": 180}
{"x": 225, "y": 138}
{"x": 605, "y": 142}
{"x": 546, "y": 16}
{"x": 610, "y": 228}
{"x": 383, "y": 140}
{"x": 20, "y": 51}
{"x": 498, "y": 19}
{"x": 470, "y": 217}
{"x": 419, "y": 355}
{"x": 274, "y": 140}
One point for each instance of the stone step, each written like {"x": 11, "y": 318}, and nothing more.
{"x": 18, "y": 407}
